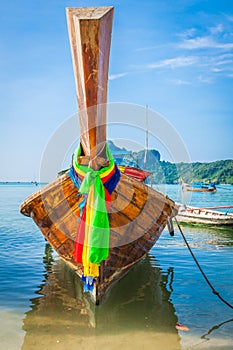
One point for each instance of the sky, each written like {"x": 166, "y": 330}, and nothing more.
{"x": 174, "y": 56}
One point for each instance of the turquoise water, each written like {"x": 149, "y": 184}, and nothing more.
{"x": 42, "y": 305}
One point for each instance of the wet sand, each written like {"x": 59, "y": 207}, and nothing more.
{"x": 128, "y": 341}
{"x": 11, "y": 331}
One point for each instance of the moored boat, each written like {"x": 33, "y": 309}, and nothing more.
{"x": 136, "y": 173}
{"x": 127, "y": 162}
{"x": 204, "y": 216}
{"x": 100, "y": 222}
{"x": 199, "y": 187}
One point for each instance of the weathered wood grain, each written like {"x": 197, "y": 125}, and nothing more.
{"x": 137, "y": 219}
{"x": 90, "y": 38}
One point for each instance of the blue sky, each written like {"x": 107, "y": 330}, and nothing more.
{"x": 174, "y": 56}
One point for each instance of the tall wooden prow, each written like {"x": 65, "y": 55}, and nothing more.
{"x": 90, "y": 37}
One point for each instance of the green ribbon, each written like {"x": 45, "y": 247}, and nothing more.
{"x": 100, "y": 229}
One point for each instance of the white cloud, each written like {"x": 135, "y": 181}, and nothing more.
{"x": 204, "y": 42}
{"x": 216, "y": 70}
{"x": 219, "y": 63}
{"x": 196, "y": 43}
{"x": 230, "y": 18}
{"x": 116, "y": 76}
{"x": 217, "y": 29}
{"x": 179, "y": 82}
{"x": 224, "y": 46}
{"x": 225, "y": 56}
{"x": 205, "y": 79}
{"x": 188, "y": 33}
{"x": 224, "y": 62}
{"x": 176, "y": 62}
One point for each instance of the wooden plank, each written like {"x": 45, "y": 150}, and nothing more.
{"x": 90, "y": 37}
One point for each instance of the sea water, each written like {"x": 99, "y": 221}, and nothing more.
{"x": 42, "y": 305}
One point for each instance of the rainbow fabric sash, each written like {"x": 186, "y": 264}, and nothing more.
{"x": 92, "y": 241}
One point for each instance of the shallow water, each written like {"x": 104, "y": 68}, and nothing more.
{"x": 42, "y": 305}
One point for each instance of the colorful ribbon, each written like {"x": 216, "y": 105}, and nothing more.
{"x": 92, "y": 240}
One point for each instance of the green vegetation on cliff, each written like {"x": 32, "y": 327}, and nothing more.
{"x": 220, "y": 171}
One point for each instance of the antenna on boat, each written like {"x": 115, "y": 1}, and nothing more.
{"x": 146, "y": 148}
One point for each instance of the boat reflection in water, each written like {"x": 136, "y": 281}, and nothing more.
{"x": 137, "y": 313}
{"x": 204, "y": 236}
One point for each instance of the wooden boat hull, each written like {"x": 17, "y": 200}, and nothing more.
{"x": 137, "y": 216}
{"x": 136, "y": 173}
{"x": 202, "y": 216}
{"x": 193, "y": 189}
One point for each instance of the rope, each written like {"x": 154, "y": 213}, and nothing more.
{"x": 202, "y": 272}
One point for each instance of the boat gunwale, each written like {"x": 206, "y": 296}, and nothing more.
{"x": 61, "y": 180}
{"x": 188, "y": 215}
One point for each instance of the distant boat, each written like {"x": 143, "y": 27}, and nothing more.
{"x": 130, "y": 167}
{"x": 135, "y": 173}
{"x": 203, "y": 216}
{"x": 127, "y": 163}
{"x": 199, "y": 187}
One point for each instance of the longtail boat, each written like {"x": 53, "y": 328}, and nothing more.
{"x": 204, "y": 216}
{"x": 136, "y": 173}
{"x": 100, "y": 222}
{"x": 199, "y": 187}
